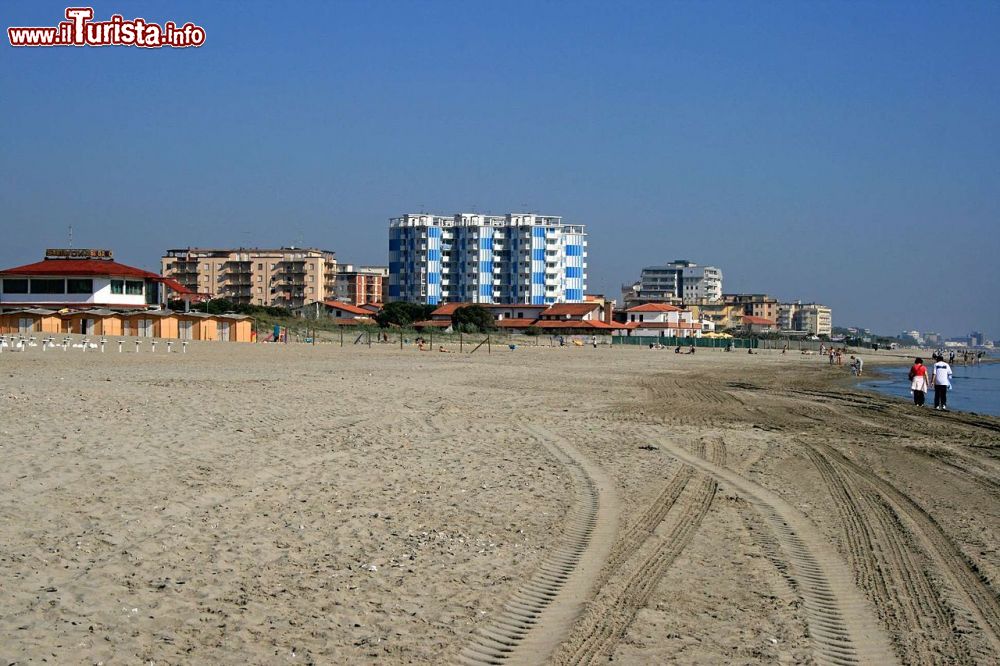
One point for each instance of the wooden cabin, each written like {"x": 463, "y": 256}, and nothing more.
{"x": 30, "y": 321}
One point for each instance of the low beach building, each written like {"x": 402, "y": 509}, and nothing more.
{"x": 153, "y": 323}
{"x": 593, "y": 316}
{"x": 84, "y": 279}
{"x": 342, "y": 313}
{"x": 759, "y": 324}
{"x": 664, "y": 320}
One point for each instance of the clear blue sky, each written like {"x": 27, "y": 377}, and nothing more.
{"x": 847, "y": 153}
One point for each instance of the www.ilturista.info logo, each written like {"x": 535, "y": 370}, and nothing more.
{"x": 80, "y": 30}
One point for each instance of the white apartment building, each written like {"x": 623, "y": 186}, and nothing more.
{"x": 476, "y": 258}
{"x": 680, "y": 281}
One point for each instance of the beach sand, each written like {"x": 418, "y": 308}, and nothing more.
{"x": 269, "y": 504}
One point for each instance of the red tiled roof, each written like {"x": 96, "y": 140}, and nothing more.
{"x": 655, "y": 307}
{"x": 81, "y": 267}
{"x": 514, "y": 322}
{"x": 347, "y": 307}
{"x": 651, "y": 324}
{"x": 448, "y": 309}
{"x": 571, "y": 309}
{"x": 513, "y": 306}
{"x": 174, "y": 285}
{"x": 757, "y": 321}
{"x": 577, "y": 323}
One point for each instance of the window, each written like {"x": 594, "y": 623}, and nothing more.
{"x": 48, "y": 286}
{"x": 79, "y": 286}
{"x": 260, "y": 278}
{"x": 260, "y": 267}
{"x": 133, "y": 287}
{"x": 118, "y": 286}
{"x": 15, "y": 286}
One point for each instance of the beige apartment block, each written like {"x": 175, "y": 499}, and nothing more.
{"x": 810, "y": 318}
{"x": 286, "y": 277}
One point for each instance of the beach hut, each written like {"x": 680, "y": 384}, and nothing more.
{"x": 30, "y": 320}
{"x": 233, "y": 328}
{"x": 97, "y": 322}
{"x": 166, "y": 323}
{"x": 195, "y": 326}
{"x": 139, "y": 325}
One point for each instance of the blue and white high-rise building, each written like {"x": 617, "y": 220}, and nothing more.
{"x": 475, "y": 258}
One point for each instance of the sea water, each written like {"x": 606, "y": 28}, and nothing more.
{"x": 974, "y": 388}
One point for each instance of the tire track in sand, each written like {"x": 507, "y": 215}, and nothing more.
{"x": 978, "y": 604}
{"x": 887, "y": 568}
{"x": 537, "y": 617}
{"x": 681, "y": 508}
{"x": 842, "y": 627}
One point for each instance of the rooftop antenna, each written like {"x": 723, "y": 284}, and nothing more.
{"x": 71, "y": 235}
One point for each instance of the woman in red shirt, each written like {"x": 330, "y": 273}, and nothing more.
{"x": 920, "y": 381}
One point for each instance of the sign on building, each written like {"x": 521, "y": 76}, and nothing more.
{"x": 77, "y": 253}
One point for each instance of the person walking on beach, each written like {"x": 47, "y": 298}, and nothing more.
{"x": 919, "y": 381}
{"x": 856, "y": 365}
{"x": 942, "y": 382}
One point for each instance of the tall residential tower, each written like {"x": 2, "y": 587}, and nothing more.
{"x": 475, "y": 258}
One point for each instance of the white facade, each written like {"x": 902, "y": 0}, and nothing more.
{"x": 679, "y": 280}
{"x": 475, "y": 258}
{"x": 702, "y": 282}
{"x": 104, "y": 292}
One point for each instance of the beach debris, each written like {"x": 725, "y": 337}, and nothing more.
{"x": 649, "y": 447}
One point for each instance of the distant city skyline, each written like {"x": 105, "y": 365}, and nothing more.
{"x": 847, "y": 155}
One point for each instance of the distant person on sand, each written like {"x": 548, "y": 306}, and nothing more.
{"x": 856, "y": 365}
{"x": 942, "y": 382}
{"x": 920, "y": 383}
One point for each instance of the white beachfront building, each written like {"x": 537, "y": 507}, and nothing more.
{"x": 78, "y": 278}
{"x": 663, "y": 319}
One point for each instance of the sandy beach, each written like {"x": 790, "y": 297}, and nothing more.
{"x": 297, "y": 504}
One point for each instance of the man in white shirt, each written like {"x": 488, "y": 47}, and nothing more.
{"x": 942, "y": 382}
